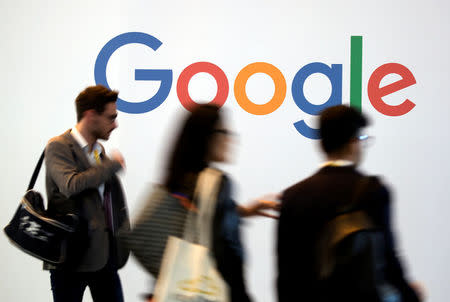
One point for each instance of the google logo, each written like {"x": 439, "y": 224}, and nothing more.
{"x": 333, "y": 73}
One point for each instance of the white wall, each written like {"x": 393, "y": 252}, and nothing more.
{"x": 48, "y": 54}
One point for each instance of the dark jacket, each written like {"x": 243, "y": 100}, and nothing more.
{"x": 306, "y": 207}
{"x": 72, "y": 187}
{"x": 227, "y": 246}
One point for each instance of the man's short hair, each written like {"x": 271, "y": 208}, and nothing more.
{"x": 94, "y": 97}
{"x": 338, "y": 125}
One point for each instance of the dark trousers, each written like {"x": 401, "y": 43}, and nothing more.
{"x": 69, "y": 286}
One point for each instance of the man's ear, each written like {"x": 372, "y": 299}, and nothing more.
{"x": 354, "y": 145}
{"x": 89, "y": 114}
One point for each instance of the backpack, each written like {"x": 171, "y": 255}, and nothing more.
{"x": 350, "y": 253}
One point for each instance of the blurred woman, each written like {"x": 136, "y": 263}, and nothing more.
{"x": 204, "y": 139}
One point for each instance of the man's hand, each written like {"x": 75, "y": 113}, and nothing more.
{"x": 117, "y": 156}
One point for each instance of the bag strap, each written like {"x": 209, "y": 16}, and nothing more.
{"x": 36, "y": 171}
{"x": 198, "y": 224}
{"x": 39, "y": 165}
{"x": 207, "y": 205}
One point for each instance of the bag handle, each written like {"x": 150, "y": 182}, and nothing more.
{"x": 200, "y": 223}
{"x": 207, "y": 205}
{"x": 39, "y": 165}
{"x": 36, "y": 171}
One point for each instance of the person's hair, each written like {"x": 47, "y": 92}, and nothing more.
{"x": 190, "y": 150}
{"x": 338, "y": 125}
{"x": 94, "y": 97}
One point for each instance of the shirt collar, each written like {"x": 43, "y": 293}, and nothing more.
{"x": 79, "y": 138}
{"x": 82, "y": 141}
{"x": 337, "y": 163}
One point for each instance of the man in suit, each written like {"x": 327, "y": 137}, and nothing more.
{"x": 308, "y": 205}
{"x": 81, "y": 179}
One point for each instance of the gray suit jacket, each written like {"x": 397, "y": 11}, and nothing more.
{"x": 72, "y": 187}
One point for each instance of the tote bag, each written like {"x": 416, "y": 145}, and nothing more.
{"x": 162, "y": 216}
{"x": 188, "y": 272}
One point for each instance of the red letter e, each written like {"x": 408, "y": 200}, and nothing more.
{"x": 376, "y": 92}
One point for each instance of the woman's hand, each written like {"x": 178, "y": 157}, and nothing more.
{"x": 420, "y": 290}
{"x": 258, "y": 207}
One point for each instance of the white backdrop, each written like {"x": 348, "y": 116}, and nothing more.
{"x": 48, "y": 54}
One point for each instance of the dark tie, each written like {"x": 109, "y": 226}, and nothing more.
{"x": 106, "y": 197}
{"x": 108, "y": 207}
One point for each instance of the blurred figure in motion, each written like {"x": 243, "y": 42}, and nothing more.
{"x": 204, "y": 139}
{"x": 335, "y": 241}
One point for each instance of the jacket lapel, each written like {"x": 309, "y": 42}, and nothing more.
{"x": 80, "y": 156}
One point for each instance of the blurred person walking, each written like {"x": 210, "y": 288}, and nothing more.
{"x": 205, "y": 139}
{"x": 335, "y": 241}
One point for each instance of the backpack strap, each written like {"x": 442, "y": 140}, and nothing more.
{"x": 348, "y": 221}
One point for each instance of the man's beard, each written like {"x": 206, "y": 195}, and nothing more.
{"x": 100, "y": 135}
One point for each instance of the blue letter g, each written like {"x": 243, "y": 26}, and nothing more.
{"x": 163, "y": 75}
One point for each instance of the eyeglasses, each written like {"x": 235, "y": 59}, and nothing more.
{"x": 363, "y": 137}
{"x": 224, "y": 131}
{"x": 366, "y": 140}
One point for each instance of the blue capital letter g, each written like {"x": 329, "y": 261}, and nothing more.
{"x": 163, "y": 75}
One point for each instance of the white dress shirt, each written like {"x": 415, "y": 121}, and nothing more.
{"x": 90, "y": 155}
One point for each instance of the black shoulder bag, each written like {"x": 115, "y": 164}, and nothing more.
{"x": 32, "y": 231}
